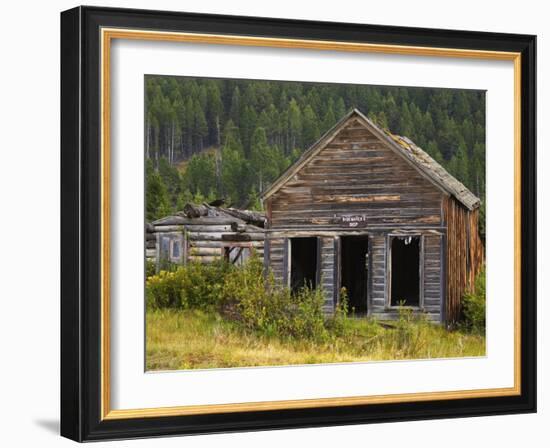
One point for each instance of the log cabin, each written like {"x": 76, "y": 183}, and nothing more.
{"x": 204, "y": 233}
{"x": 371, "y": 212}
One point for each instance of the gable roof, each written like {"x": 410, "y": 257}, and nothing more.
{"x": 402, "y": 146}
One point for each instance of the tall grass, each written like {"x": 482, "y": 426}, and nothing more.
{"x": 244, "y": 295}
{"x": 206, "y": 316}
{"x": 199, "y": 339}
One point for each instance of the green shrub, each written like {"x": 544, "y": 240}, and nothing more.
{"x": 194, "y": 285}
{"x": 252, "y": 298}
{"x": 150, "y": 268}
{"x": 163, "y": 290}
{"x": 339, "y": 322}
{"x": 473, "y": 306}
{"x": 305, "y": 317}
{"x": 202, "y": 284}
{"x": 408, "y": 335}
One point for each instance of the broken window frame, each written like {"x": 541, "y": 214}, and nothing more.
{"x": 235, "y": 244}
{"x": 174, "y": 242}
{"x": 389, "y": 238}
{"x": 167, "y": 256}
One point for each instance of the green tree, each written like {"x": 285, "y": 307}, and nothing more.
{"x": 294, "y": 124}
{"x": 260, "y": 157}
{"x": 157, "y": 198}
{"x": 329, "y": 119}
{"x": 459, "y": 164}
{"x": 200, "y": 130}
{"x": 235, "y": 108}
{"x": 200, "y": 175}
{"x": 214, "y": 113}
{"x": 310, "y": 130}
{"x": 186, "y": 116}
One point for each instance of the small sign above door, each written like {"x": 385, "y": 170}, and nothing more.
{"x": 352, "y": 221}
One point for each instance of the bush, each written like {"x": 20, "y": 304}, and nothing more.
{"x": 194, "y": 285}
{"x": 202, "y": 285}
{"x": 247, "y": 296}
{"x": 253, "y": 299}
{"x": 150, "y": 268}
{"x": 409, "y": 335}
{"x": 339, "y": 322}
{"x": 473, "y": 306}
{"x": 163, "y": 290}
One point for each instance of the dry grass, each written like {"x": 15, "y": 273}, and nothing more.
{"x": 193, "y": 339}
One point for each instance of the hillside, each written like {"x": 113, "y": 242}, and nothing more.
{"x": 212, "y": 138}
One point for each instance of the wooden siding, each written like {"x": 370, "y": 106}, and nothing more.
{"x": 377, "y": 274}
{"x": 431, "y": 282}
{"x": 205, "y": 242}
{"x": 328, "y": 261}
{"x": 432, "y": 287}
{"x": 464, "y": 255}
{"x": 356, "y": 173}
{"x": 276, "y": 252}
{"x": 276, "y": 259}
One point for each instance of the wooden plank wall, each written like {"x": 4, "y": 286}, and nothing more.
{"x": 377, "y": 280}
{"x": 205, "y": 245}
{"x": 432, "y": 275}
{"x": 276, "y": 258}
{"x": 276, "y": 263}
{"x": 205, "y": 242}
{"x": 328, "y": 263}
{"x": 465, "y": 255}
{"x": 356, "y": 174}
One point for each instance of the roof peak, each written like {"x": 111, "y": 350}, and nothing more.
{"x": 403, "y": 146}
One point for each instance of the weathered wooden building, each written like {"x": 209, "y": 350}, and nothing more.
{"x": 370, "y": 211}
{"x": 205, "y": 233}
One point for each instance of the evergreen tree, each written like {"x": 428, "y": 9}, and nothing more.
{"x": 158, "y": 201}
{"x": 405, "y": 121}
{"x": 329, "y": 119}
{"x": 214, "y": 114}
{"x": 260, "y": 157}
{"x": 233, "y": 137}
{"x": 340, "y": 108}
{"x": 310, "y": 126}
{"x": 294, "y": 124}
{"x": 235, "y": 108}
{"x": 459, "y": 164}
{"x": 200, "y": 175}
{"x": 200, "y": 130}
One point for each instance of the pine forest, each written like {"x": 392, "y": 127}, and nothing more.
{"x": 226, "y": 139}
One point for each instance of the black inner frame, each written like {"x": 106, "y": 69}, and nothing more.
{"x": 81, "y": 223}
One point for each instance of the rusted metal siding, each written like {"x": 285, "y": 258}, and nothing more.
{"x": 356, "y": 174}
{"x": 464, "y": 255}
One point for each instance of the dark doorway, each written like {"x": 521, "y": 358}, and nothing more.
{"x": 303, "y": 263}
{"x": 405, "y": 270}
{"x": 355, "y": 263}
